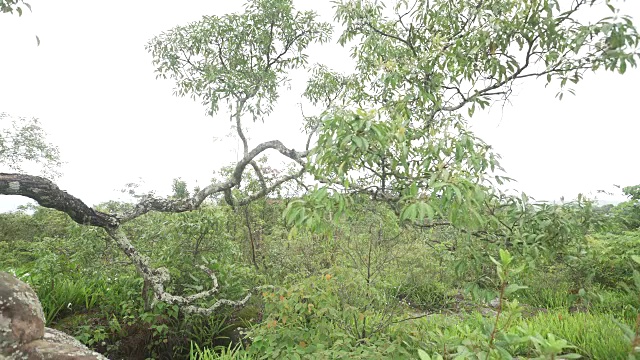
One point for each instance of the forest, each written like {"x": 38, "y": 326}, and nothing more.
{"x": 394, "y": 234}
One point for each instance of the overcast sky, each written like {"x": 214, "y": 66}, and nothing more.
{"x": 92, "y": 85}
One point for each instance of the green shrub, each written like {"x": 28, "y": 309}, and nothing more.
{"x": 312, "y": 320}
{"x": 609, "y": 257}
{"x": 425, "y": 294}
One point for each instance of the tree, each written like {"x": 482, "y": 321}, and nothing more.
{"x": 393, "y": 130}
{"x": 633, "y": 192}
{"x": 246, "y": 56}
{"x": 420, "y": 63}
{"x": 23, "y": 141}
{"x": 628, "y": 212}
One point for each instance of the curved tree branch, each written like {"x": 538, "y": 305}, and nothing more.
{"x": 150, "y": 203}
{"x": 49, "y": 195}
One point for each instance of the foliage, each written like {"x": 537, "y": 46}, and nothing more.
{"x": 9, "y": 6}
{"x": 365, "y": 246}
{"x": 608, "y": 258}
{"x": 23, "y": 141}
{"x": 632, "y": 335}
{"x": 602, "y": 340}
{"x": 629, "y": 212}
{"x": 312, "y": 320}
{"x": 238, "y": 57}
{"x": 397, "y": 218}
{"x": 227, "y": 353}
{"x": 393, "y": 129}
{"x": 498, "y": 338}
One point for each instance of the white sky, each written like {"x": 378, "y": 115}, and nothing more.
{"x": 92, "y": 85}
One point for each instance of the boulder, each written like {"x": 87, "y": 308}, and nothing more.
{"x": 22, "y": 331}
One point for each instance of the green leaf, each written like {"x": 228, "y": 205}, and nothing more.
{"x": 430, "y": 211}
{"x": 505, "y": 257}
{"x": 423, "y": 355}
{"x": 510, "y": 289}
{"x": 409, "y": 212}
{"x": 623, "y": 66}
{"x": 358, "y": 141}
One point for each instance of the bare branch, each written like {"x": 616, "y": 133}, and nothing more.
{"x": 158, "y": 277}
{"x": 150, "y": 203}
{"x": 269, "y": 189}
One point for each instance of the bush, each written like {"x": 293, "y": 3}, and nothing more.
{"x": 312, "y": 320}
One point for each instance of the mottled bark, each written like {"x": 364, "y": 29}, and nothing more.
{"x": 49, "y": 195}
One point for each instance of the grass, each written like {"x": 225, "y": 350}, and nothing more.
{"x": 551, "y": 297}
{"x": 595, "y": 336}
{"x": 221, "y": 353}
{"x": 69, "y": 296}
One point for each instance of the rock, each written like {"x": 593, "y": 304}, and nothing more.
{"x": 22, "y": 332}
{"x": 488, "y": 312}
{"x": 579, "y": 308}
{"x": 58, "y": 336}
{"x": 530, "y": 311}
{"x": 21, "y": 316}
{"x": 44, "y": 349}
{"x": 495, "y": 303}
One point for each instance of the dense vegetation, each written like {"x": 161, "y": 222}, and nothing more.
{"x": 389, "y": 236}
{"x": 366, "y": 287}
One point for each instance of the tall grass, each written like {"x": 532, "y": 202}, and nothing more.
{"x": 69, "y": 296}
{"x": 220, "y": 353}
{"x": 595, "y": 336}
{"x": 548, "y": 297}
